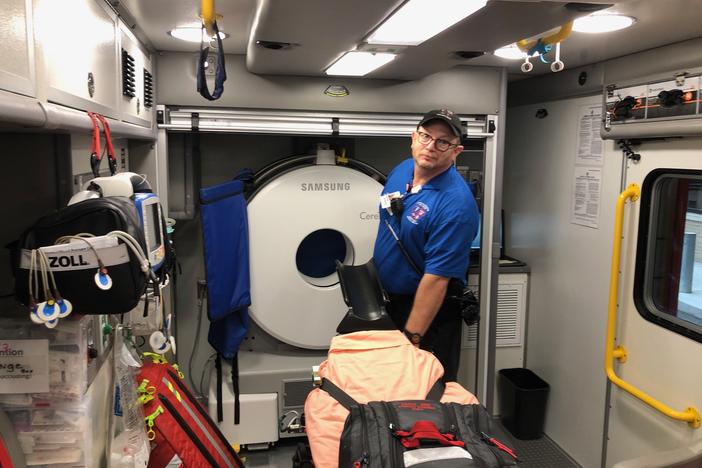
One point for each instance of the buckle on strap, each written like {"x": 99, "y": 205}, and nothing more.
{"x": 426, "y": 431}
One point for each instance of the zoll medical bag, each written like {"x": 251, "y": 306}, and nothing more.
{"x": 177, "y": 424}
{"x": 424, "y": 433}
{"x": 74, "y": 265}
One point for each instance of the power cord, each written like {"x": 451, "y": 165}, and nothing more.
{"x": 206, "y": 370}
{"x": 201, "y": 293}
{"x": 625, "y": 146}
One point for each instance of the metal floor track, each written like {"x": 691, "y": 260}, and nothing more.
{"x": 541, "y": 453}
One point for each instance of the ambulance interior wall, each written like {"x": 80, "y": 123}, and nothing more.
{"x": 34, "y": 180}
{"x": 569, "y": 280}
{"x": 222, "y": 156}
{"x": 569, "y": 263}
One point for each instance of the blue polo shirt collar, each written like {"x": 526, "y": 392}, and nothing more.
{"x": 440, "y": 181}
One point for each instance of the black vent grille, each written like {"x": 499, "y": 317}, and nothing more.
{"x": 148, "y": 89}
{"x": 128, "y": 82}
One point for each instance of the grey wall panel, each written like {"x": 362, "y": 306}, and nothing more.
{"x": 556, "y": 86}
{"x": 569, "y": 279}
{"x": 660, "y": 62}
{"x": 466, "y": 90}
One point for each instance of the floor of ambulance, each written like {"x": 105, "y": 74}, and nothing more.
{"x": 539, "y": 453}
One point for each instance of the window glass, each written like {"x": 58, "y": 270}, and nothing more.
{"x": 669, "y": 257}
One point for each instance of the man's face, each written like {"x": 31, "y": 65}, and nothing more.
{"x": 428, "y": 156}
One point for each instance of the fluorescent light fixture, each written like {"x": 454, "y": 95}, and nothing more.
{"x": 418, "y": 20}
{"x": 602, "y": 23}
{"x": 512, "y": 52}
{"x": 194, "y": 34}
{"x": 359, "y": 63}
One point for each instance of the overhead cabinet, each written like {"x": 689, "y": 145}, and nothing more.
{"x": 77, "y": 40}
{"x": 17, "y": 51}
{"x": 136, "y": 83}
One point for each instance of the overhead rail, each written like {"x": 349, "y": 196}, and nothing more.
{"x": 690, "y": 414}
{"x": 311, "y": 123}
{"x": 31, "y": 114}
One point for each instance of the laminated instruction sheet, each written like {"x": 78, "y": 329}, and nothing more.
{"x": 586, "y": 190}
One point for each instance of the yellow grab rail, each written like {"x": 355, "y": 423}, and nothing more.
{"x": 207, "y": 11}
{"x": 690, "y": 415}
{"x": 554, "y": 38}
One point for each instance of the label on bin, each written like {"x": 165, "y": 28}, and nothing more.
{"x": 24, "y": 366}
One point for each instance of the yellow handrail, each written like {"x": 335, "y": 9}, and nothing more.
{"x": 690, "y": 415}
{"x": 554, "y": 38}
{"x": 207, "y": 11}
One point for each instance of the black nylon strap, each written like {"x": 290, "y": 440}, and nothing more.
{"x": 338, "y": 394}
{"x": 220, "y": 73}
{"x": 404, "y": 251}
{"x": 436, "y": 391}
{"x": 218, "y": 367}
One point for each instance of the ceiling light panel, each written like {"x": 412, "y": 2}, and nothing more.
{"x": 418, "y": 20}
{"x": 194, "y": 34}
{"x": 359, "y": 63}
{"x": 512, "y": 52}
{"x": 602, "y": 23}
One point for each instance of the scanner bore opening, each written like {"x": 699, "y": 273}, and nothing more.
{"x": 317, "y": 253}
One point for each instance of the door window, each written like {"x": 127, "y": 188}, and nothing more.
{"x": 668, "y": 284}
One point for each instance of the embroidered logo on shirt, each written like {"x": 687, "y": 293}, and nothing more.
{"x": 417, "y": 211}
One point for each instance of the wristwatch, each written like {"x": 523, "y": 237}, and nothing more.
{"x": 415, "y": 338}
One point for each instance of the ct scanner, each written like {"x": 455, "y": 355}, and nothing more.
{"x": 302, "y": 219}
{"x": 304, "y": 213}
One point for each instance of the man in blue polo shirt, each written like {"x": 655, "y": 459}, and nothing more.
{"x": 428, "y": 219}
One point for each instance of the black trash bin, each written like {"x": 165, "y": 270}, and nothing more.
{"x": 523, "y": 398}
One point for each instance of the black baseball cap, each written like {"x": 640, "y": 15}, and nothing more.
{"x": 447, "y": 116}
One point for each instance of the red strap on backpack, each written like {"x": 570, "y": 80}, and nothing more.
{"x": 426, "y": 431}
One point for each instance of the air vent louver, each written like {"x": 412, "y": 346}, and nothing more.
{"x": 510, "y": 307}
{"x": 128, "y": 82}
{"x": 148, "y": 89}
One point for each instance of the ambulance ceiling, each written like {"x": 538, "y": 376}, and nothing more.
{"x": 322, "y": 30}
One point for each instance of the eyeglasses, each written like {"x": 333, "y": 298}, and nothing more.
{"x": 439, "y": 143}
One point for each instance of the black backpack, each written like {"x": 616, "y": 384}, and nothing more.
{"x": 75, "y": 280}
{"x": 420, "y": 433}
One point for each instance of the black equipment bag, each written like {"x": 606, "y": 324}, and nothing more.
{"x": 75, "y": 275}
{"x": 421, "y": 433}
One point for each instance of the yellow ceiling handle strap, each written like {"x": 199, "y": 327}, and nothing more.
{"x": 207, "y": 11}
{"x": 559, "y": 36}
